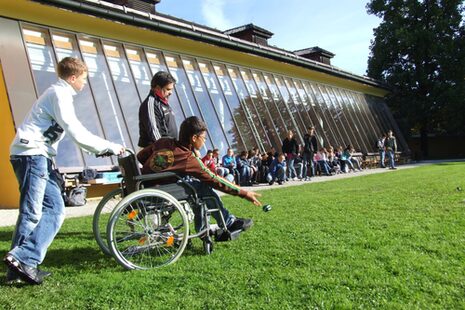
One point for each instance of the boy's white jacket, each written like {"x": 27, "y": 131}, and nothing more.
{"x": 51, "y": 116}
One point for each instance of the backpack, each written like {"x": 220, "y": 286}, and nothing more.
{"x": 76, "y": 196}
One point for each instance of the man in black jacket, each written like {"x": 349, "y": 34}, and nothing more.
{"x": 310, "y": 148}
{"x": 156, "y": 118}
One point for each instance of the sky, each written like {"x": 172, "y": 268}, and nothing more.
{"x": 342, "y": 27}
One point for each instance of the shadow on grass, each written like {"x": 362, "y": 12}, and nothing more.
{"x": 79, "y": 258}
{"x": 6, "y": 235}
{"x": 82, "y": 235}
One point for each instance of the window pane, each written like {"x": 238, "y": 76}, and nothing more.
{"x": 263, "y": 112}
{"x": 218, "y": 139}
{"x": 267, "y": 97}
{"x": 321, "y": 109}
{"x": 238, "y": 112}
{"x": 299, "y": 125}
{"x": 111, "y": 116}
{"x": 140, "y": 70}
{"x": 220, "y": 106}
{"x": 43, "y": 63}
{"x": 66, "y": 46}
{"x": 184, "y": 91}
{"x": 156, "y": 64}
{"x": 252, "y": 115}
{"x": 333, "y": 115}
{"x": 310, "y": 107}
{"x": 125, "y": 88}
{"x": 281, "y": 105}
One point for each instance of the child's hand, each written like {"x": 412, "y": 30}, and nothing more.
{"x": 252, "y": 197}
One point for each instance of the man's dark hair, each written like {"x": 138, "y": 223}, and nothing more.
{"x": 161, "y": 79}
{"x": 190, "y": 127}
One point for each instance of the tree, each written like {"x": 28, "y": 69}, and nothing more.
{"x": 419, "y": 52}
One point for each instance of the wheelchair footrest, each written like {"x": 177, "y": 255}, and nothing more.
{"x": 226, "y": 235}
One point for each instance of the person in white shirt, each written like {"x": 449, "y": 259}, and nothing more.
{"x": 41, "y": 209}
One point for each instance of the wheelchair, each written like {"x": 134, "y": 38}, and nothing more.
{"x": 149, "y": 225}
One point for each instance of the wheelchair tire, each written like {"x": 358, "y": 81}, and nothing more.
{"x": 101, "y": 216}
{"x": 148, "y": 229}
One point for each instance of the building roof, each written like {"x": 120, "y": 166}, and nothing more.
{"x": 315, "y": 50}
{"x": 179, "y": 27}
{"x": 262, "y": 31}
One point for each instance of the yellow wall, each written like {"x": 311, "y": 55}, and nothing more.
{"x": 8, "y": 183}
{"x": 51, "y": 16}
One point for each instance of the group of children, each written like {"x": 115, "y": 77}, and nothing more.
{"x": 252, "y": 167}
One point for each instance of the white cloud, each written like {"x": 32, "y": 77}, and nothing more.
{"x": 213, "y": 12}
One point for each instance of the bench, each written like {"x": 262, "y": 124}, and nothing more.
{"x": 371, "y": 160}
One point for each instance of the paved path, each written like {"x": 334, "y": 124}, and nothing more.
{"x": 8, "y": 216}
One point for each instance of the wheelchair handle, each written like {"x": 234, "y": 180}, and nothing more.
{"x": 108, "y": 154}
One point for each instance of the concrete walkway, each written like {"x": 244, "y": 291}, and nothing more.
{"x": 8, "y": 216}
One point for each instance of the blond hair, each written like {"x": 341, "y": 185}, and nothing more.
{"x": 69, "y": 66}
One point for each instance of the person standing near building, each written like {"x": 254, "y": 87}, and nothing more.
{"x": 290, "y": 148}
{"x": 156, "y": 118}
{"x": 391, "y": 148}
{"x": 381, "y": 150}
{"x": 310, "y": 148}
{"x": 42, "y": 209}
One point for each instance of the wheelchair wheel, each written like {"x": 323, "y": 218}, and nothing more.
{"x": 148, "y": 229}
{"x": 101, "y": 216}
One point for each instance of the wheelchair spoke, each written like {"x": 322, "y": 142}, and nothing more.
{"x": 148, "y": 230}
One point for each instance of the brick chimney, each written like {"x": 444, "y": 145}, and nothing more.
{"x": 317, "y": 54}
{"x": 250, "y": 33}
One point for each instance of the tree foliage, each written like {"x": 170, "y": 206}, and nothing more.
{"x": 419, "y": 51}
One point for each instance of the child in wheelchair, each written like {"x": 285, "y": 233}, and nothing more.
{"x": 182, "y": 157}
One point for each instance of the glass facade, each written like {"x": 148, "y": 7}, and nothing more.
{"x": 242, "y": 107}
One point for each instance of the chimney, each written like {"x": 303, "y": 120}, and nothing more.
{"x": 139, "y": 5}
{"x": 250, "y": 33}
{"x": 317, "y": 54}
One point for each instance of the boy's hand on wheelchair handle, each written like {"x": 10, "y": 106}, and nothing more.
{"x": 252, "y": 197}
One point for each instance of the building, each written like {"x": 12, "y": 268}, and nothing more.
{"x": 248, "y": 93}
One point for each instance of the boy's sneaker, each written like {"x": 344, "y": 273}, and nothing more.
{"x": 240, "y": 224}
{"x": 27, "y": 273}
{"x": 12, "y": 277}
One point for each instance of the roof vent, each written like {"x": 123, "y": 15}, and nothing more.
{"x": 316, "y": 53}
{"x": 250, "y": 33}
{"x": 139, "y": 5}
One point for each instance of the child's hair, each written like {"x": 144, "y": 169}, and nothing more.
{"x": 69, "y": 66}
{"x": 190, "y": 127}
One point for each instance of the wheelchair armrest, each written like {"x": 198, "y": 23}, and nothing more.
{"x": 140, "y": 179}
{"x": 156, "y": 176}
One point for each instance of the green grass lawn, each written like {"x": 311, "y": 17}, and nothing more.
{"x": 390, "y": 240}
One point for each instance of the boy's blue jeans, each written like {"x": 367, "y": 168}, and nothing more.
{"x": 204, "y": 190}
{"x": 41, "y": 209}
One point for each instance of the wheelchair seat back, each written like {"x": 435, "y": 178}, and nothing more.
{"x": 133, "y": 180}
{"x": 129, "y": 170}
